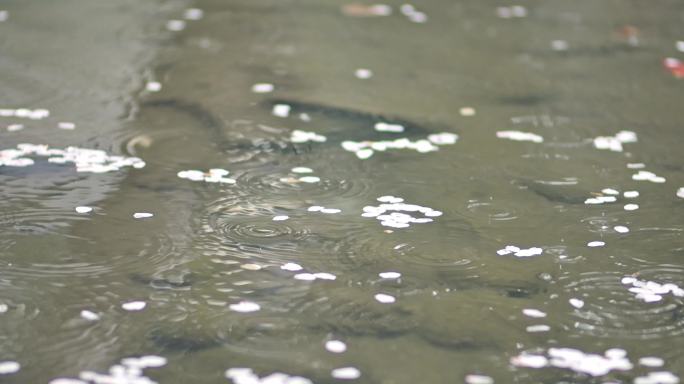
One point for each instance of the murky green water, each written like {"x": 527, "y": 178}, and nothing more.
{"x": 212, "y": 282}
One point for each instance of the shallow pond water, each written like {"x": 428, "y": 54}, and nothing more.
{"x": 324, "y": 191}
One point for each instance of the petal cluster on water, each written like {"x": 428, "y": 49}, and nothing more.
{"x": 86, "y": 160}
{"x": 651, "y": 291}
{"x": 247, "y": 376}
{"x": 614, "y": 143}
{"x": 366, "y": 149}
{"x": 519, "y": 252}
{"x": 576, "y": 360}
{"x": 397, "y": 218}
{"x": 128, "y": 371}
{"x": 214, "y": 175}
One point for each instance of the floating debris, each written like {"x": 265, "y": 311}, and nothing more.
{"x": 631, "y": 207}
{"x": 577, "y": 303}
{"x": 193, "y": 14}
{"x": 384, "y": 298}
{"x": 299, "y": 136}
{"x": 310, "y": 179}
{"x": 315, "y": 276}
{"x": 4, "y": 15}
{"x": 321, "y": 209}
{"x": 8, "y": 367}
{"x": 397, "y": 219}
{"x": 533, "y": 313}
{"x": 301, "y": 170}
{"x": 142, "y": 215}
{"x": 89, "y": 315}
{"x": 280, "y": 218}
{"x": 366, "y": 149}
{"x": 346, "y": 373}
{"x": 264, "y": 88}
{"x": 680, "y": 192}
{"x": 291, "y": 267}
{"x": 662, "y": 377}
{"x": 412, "y": 13}
{"x": 175, "y": 25}
{"x": 650, "y": 291}
{"x": 15, "y": 127}
{"x": 245, "y": 307}
{"x": 385, "y": 127}
{"x": 537, "y": 328}
{"x": 247, "y": 376}
{"x": 600, "y": 200}
{"x": 594, "y": 244}
{"x": 520, "y": 136}
{"x": 153, "y": 86}
{"x": 478, "y": 379}
{"x": 651, "y": 361}
{"x": 680, "y": 46}
{"x": 675, "y": 66}
{"x": 519, "y": 252}
{"x": 86, "y": 160}
{"x": 513, "y": 11}
{"x": 636, "y": 165}
{"x": 614, "y": 143}
{"x": 361, "y": 10}
{"x": 129, "y": 371}
{"x": 560, "y": 45}
{"x": 389, "y": 275}
{"x": 25, "y": 113}
{"x": 363, "y": 73}
{"x": 648, "y": 176}
{"x": 620, "y": 229}
{"x": 576, "y": 360}
{"x": 467, "y": 111}
{"x": 214, "y": 175}
{"x": 66, "y": 125}
{"x": 335, "y": 346}
{"x": 281, "y": 110}
{"x": 84, "y": 209}
{"x": 630, "y": 194}
{"x": 134, "y": 305}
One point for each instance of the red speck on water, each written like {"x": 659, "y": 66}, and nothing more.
{"x": 675, "y": 66}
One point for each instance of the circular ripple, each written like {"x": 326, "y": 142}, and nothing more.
{"x": 610, "y": 310}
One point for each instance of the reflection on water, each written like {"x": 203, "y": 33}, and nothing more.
{"x": 308, "y": 191}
